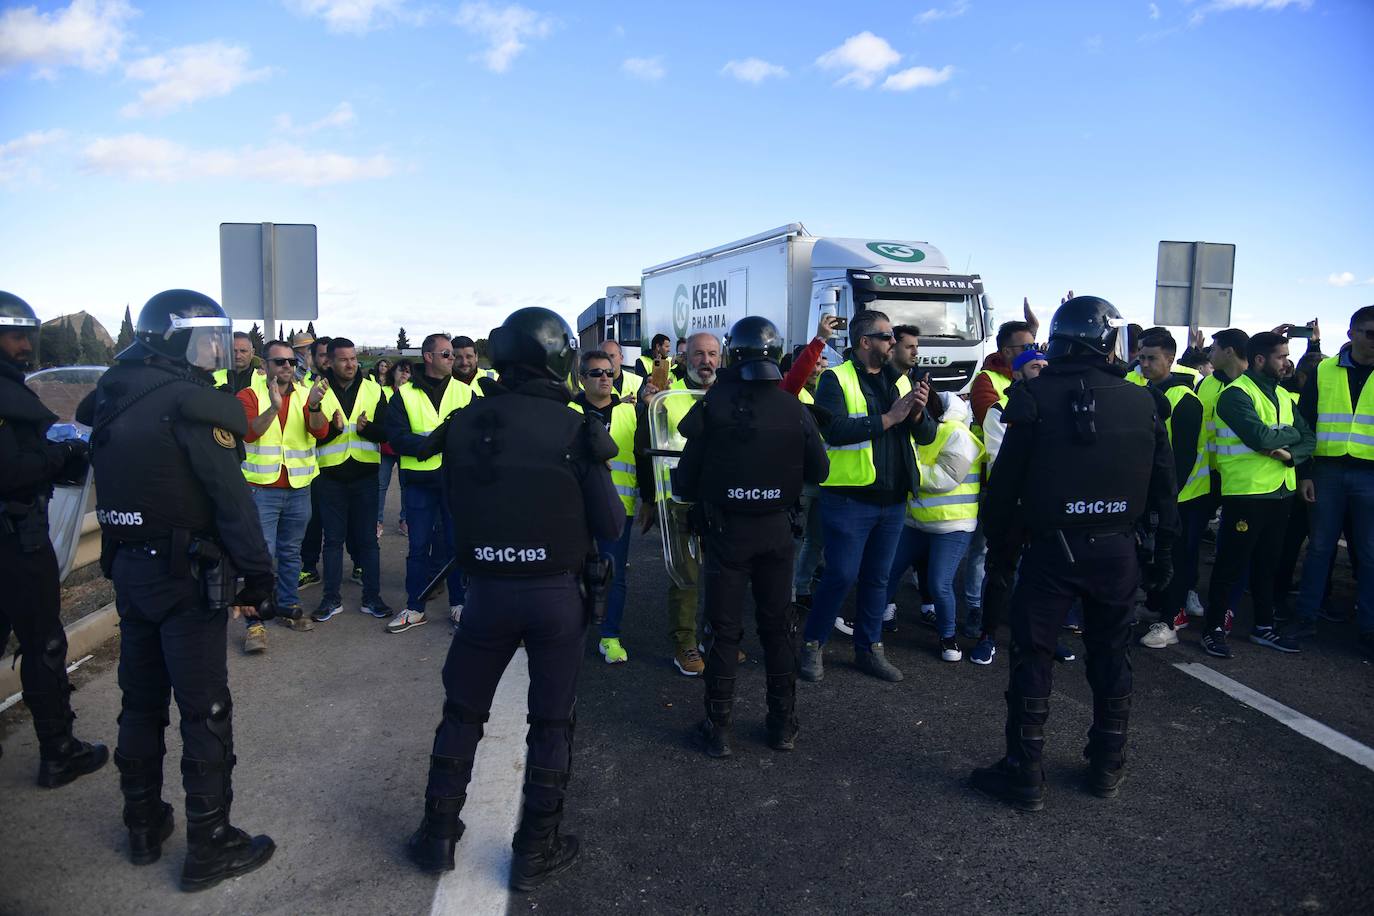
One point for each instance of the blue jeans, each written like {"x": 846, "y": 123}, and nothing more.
{"x": 284, "y": 513}
{"x": 860, "y": 539}
{"x": 1340, "y": 489}
{"x": 810, "y": 546}
{"x": 975, "y": 568}
{"x": 431, "y": 543}
{"x": 942, "y": 553}
{"x": 384, "y": 484}
{"x": 346, "y": 510}
{"x": 618, "y": 551}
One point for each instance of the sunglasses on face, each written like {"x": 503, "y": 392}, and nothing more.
{"x": 597, "y": 373}
{"x": 881, "y": 335}
{"x": 282, "y": 361}
{"x": 443, "y": 354}
{"x": 1028, "y": 346}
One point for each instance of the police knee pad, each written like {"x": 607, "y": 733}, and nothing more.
{"x": 218, "y": 720}
{"x": 540, "y": 727}
{"x": 460, "y": 715}
{"x": 55, "y": 653}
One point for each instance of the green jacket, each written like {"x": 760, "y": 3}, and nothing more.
{"x": 1236, "y": 410}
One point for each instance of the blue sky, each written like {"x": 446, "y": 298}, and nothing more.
{"x": 462, "y": 159}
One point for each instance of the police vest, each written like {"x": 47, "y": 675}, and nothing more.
{"x": 852, "y": 465}
{"x": 424, "y": 419}
{"x": 1208, "y": 390}
{"x": 623, "y": 423}
{"x": 1342, "y": 429}
{"x": 1199, "y": 479}
{"x": 754, "y": 449}
{"x": 1101, "y": 484}
{"x": 1244, "y": 471}
{"x": 629, "y": 383}
{"x": 958, "y": 503}
{"x": 506, "y": 466}
{"x": 348, "y": 444}
{"x": 293, "y": 447}
{"x": 676, "y": 408}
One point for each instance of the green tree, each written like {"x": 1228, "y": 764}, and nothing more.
{"x": 58, "y": 345}
{"x": 126, "y": 331}
{"x": 92, "y": 351}
{"x": 255, "y": 335}
{"x": 402, "y": 341}
{"x": 281, "y": 334}
{"x": 310, "y": 328}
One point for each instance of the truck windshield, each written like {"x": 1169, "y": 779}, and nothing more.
{"x": 950, "y": 317}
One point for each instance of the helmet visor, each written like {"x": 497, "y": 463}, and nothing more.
{"x": 1119, "y": 349}
{"x": 210, "y": 345}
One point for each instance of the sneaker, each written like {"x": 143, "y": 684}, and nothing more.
{"x": 403, "y": 529}
{"x": 875, "y": 662}
{"x": 255, "y": 640}
{"x": 405, "y": 620}
{"x": 455, "y": 614}
{"x": 928, "y": 615}
{"x": 1301, "y": 629}
{"x": 688, "y": 662}
{"x": 1229, "y": 620}
{"x": 1159, "y": 636}
{"x": 1063, "y": 653}
{"x": 295, "y": 618}
{"x": 1194, "y": 606}
{"x": 812, "y": 666}
{"x": 845, "y": 625}
{"x": 378, "y": 608}
{"x": 1214, "y": 644}
{"x": 357, "y": 575}
{"x": 1074, "y": 628}
{"x": 1269, "y": 636}
{"x": 1181, "y": 620}
{"x": 890, "y": 619}
{"x": 326, "y": 610}
{"x": 1332, "y": 616}
{"x": 613, "y": 652}
{"x": 308, "y": 577}
{"x": 983, "y": 653}
{"x": 949, "y": 650}
{"x": 381, "y": 530}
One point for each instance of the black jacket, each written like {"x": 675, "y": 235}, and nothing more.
{"x": 31, "y": 463}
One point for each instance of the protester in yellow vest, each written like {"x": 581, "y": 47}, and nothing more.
{"x": 414, "y": 412}
{"x": 285, "y": 421}
{"x": 626, "y": 385}
{"x": 1258, "y": 442}
{"x": 346, "y": 490}
{"x": 659, "y": 348}
{"x": 1338, "y": 401}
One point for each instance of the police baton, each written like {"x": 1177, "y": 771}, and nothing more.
{"x": 428, "y": 591}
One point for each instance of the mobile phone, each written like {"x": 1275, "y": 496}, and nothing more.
{"x": 1300, "y": 330}
{"x": 841, "y": 323}
{"x": 659, "y": 377}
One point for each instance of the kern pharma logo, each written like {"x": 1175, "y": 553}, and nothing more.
{"x": 897, "y": 252}
{"x": 682, "y": 300}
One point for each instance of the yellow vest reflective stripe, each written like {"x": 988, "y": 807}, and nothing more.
{"x": 806, "y": 397}
{"x": 348, "y": 444}
{"x": 293, "y": 447}
{"x": 1343, "y": 429}
{"x": 1245, "y": 472}
{"x": 424, "y": 419}
{"x": 676, "y": 408}
{"x": 958, "y": 503}
{"x": 623, "y": 423}
{"x": 1208, "y": 390}
{"x": 852, "y": 465}
{"x": 1199, "y": 479}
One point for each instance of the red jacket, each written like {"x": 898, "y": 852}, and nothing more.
{"x": 802, "y": 365}
{"x": 984, "y": 395}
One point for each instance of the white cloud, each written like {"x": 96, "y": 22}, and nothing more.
{"x": 1153, "y": 10}
{"x": 935, "y": 14}
{"x": 186, "y": 75}
{"x": 357, "y": 16}
{"x": 341, "y": 116}
{"x": 1093, "y": 43}
{"x": 153, "y": 158}
{"x": 864, "y": 57}
{"x": 506, "y": 29}
{"x": 753, "y": 70}
{"x": 1226, "y": 6}
{"x": 1346, "y": 278}
{"x": 917, "y": 78}
{"x": 649, "y": 69}
{"x": 14, "y": 154}
{"x": 86, "y": 34}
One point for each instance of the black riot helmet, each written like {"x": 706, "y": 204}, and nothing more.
{"x": 754, "y": 347}
{"x": 186, "y": 327}
{"x": 17, "y": 317}
{"x": 1087, "y": 325}
{"x": 535, "y": 339}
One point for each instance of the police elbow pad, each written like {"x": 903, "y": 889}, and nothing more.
{"x": 215, "y": 407}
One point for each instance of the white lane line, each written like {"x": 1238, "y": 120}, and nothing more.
{"x": 479, "y": 884}
{"x": 1304, "y": 725}
{"x": 70, "y": 668}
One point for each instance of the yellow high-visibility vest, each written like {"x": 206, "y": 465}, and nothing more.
{"x": 1244, "y": 471}
{"x": 1199, "y": 479}
{"x": 424, "y": 419}
{"x": 1000, "y": 384}
{"x": 623, "y": 423}
{"x": 960, "y": 502}
{"x": 852, "y": 465}
{"x": 806, "y": 397}
{"x": 1343, "y": 428}
{"x": 1208, "y": 390}
{"x": 293, "y": 447}
{"x": 348, "y": 444}
{"x": 630, "y": 383}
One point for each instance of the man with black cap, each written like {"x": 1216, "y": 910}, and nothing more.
{"x": 535, "y": 474}
{"x": 750, "y": 447}
{"x": 28, "y": 566}
{"x": 1086, "y": 461}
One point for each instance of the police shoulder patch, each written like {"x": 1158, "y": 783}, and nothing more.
{"x": 1242, "y": 526}
{"x": 223, "y": 437}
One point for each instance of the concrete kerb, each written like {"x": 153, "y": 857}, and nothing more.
{"x": 83, "y": 638}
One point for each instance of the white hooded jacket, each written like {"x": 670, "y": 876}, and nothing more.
{"x": 956, "y": 459}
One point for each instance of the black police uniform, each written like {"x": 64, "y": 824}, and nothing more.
{"x": 28, "y": 567}
{"x": 531, "y": 473}
{"x": 1085, "y": 459}
{"x": 750, "y": 447}
{"x": 171, "y": 498}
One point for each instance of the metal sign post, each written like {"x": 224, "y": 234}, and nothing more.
{"x": 1193, "y": 284}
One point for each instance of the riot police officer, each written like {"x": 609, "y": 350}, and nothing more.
{"x": 535, "y": 473}
{"x": 750, "y": 447}
{"x": 28, "y": 566}
{"x": 1085, "y": 463}
{"x": 178, "y": 524}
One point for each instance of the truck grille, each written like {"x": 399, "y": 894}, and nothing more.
{"x": 952, "y": 377}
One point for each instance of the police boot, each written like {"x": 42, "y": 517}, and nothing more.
{"x": 718, "y": 727}
{"x": 431, "y": 847}
{"x": 62, "y": 757}
{"x": 540, "y": 851}
{"x": 782, "y": 712}
{"x": 216, "y": 849}
{"x": 147, "y": 816}
{"x": 1018, "y": 778}
{"x": 1106, "y": 750}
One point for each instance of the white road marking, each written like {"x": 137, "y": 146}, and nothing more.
{"x": 70, "y": 668}
{"x": 1304, "y": 725}
{"x": 479, "y": 884}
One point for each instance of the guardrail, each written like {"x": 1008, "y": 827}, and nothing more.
{"x": 88, "y": 548}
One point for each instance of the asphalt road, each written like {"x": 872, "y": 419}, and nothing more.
{"x": 1225, "y": 809}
